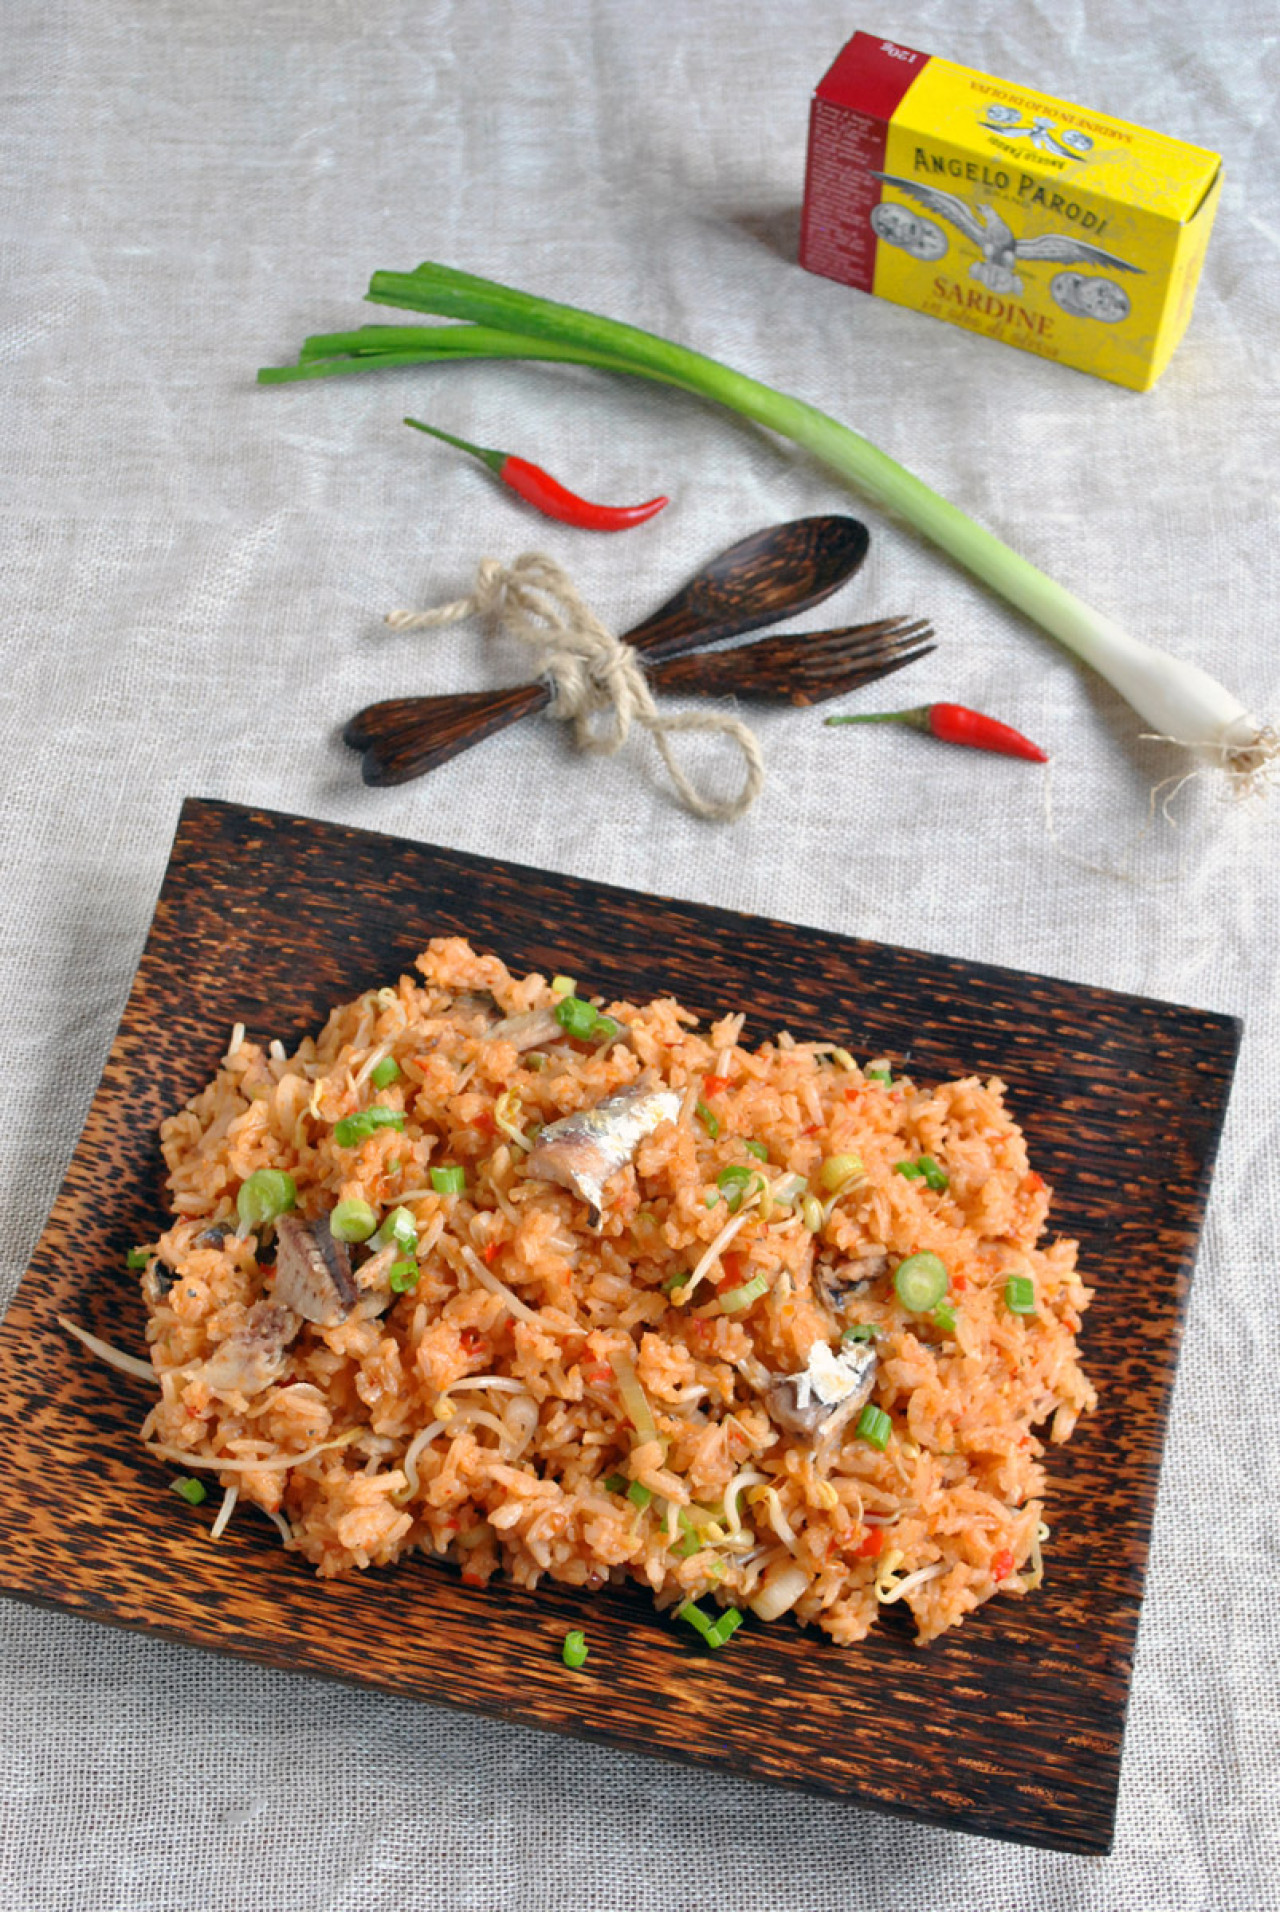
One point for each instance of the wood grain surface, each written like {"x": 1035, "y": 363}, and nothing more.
{"x": 1010, "y": 1726}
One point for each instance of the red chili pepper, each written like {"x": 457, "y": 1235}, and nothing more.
{"x": 954, "y": 724}
{"x": 547, "y": 494}
{"x": 1002, "y": 1565}
{"x": 712, "y": 1085}
{"x": 870, "y": 1545}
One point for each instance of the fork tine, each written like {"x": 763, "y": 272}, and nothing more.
{"x": 839, "y": 684}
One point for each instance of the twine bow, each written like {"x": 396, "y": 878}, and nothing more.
{"x": 591, "y": 671}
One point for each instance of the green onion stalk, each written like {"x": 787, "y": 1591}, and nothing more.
{"x": 1177, "y": 700}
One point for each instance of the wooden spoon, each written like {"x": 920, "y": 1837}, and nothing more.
{"x": 782, "y": 569}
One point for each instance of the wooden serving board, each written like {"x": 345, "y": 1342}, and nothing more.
{"x": 1009, "y": 1726}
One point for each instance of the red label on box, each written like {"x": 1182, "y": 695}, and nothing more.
{"x": 847, "y": 133}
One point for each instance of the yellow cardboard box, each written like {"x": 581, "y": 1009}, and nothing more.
{"x": 1066, "y": 232}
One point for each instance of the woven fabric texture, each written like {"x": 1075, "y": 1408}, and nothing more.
{"x": 195, "y": 574}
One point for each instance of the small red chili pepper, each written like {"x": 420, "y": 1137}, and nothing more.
{"x": 954, "y": 724}
{"x": 870, "y": 1545}
{"x": 712, "y": 1085}
{"x": 547, "y": 494}
{"x": 1002, "y": 1565}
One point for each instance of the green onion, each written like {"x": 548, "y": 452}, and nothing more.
{"x": 641, "y": 1495}
{"x": 714, "y": 1633}
{"x": 385, "y": 1072}
{"x": 615, "y": 1484}
{"x": 353, "y": 1220}
{"x": 758, "y": 1149}
{"x": 190, "y": 1489}
{"x": 933, "y": 1173}
{"x": 263, "y": 1196}
{"x": 356, "y": 1129}
{"x": 879, "y": 1076}
{"x": 560, "y": 985}
{"x": 1175, "y": 699}
{"x": 945, "y": 1316}
{"x": 604, "y": 1029}
{"x": 576, "y": 1017}
{"x": 690, "y": 1541}
{"x": 910, "y": 1170}
{"x": 403, "y": 1276}
{"x": 874, "y": 1426}
{"x": 400, "y": 1228}
{"x": 449, "y": 1180}
{"x": 732, "y": 1184}
{"x": 921, "y": 1281}
{"x": 1020, "y": 1295}
{"x": 574, "y": 1651}
{"x": 811, "y": 1214}
{"x": 744, "y": 1295}
{"x": 726, "y": 1627}
{"x": 836, "y": 1171}
{"x": 860, "y": 1332}
{"x": 137, "y": 1258}
{"x": 709, "y": 1122}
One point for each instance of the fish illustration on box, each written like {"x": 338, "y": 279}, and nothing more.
{"x": 993, "y": 236}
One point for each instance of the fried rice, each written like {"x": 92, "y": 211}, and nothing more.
{"x": 696, "y": 1371}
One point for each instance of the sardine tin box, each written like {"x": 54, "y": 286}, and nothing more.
{"x": 1062, "y": 231}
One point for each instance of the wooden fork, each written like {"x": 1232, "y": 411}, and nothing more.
{"x": 798, "y": 667}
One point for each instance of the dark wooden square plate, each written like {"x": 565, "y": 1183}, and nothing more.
{"x": 1009, "y": 1726}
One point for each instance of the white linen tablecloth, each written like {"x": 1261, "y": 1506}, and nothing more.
{"x": 195, "y": 572}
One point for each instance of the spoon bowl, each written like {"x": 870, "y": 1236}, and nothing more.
{"x": 783, "y": 569}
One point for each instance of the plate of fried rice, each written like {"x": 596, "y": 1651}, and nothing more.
{"x": 728, "y": 1292}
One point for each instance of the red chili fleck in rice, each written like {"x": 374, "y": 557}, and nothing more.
{"x": 681, "y": 1378}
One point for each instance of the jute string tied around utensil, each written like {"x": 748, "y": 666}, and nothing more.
{"x": 591, "y": 671}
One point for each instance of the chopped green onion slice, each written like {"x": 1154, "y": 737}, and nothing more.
{"x": 353, "y": 1221}
{"x": 574, "y": 1651}
{"x": 861, "y": 1332}
{"x": 744, "y": 1295}
{"x": 727, "y": 1626}
{"x": 638, "y": 1493}
{"x": 137, "y": 1258}
{"x": 714, "y": 1633}
{"x": 690, "y": 1541}
{"x": 910, "y": 1170}
{"x": 758, "y": 1149}
{"x": 874, "y": 1426}
{"x": 615, "y": 1484}
{"x": 710, "y": 1122}
{"x": 604, "y": 1029}
{"x": 879, "y": 1076}
{"x": 449, "y": 1180}
{"x": 190, "y": 1489}
{"x": 933, "y": 1172}
{"x": 385, "y": 1072}
{"x": 563, "y": 985}
{"x": 837, "y": 1170}
{"x": 263, "y": 1196}
{"x": 356, "y": 1129}
{"x": 1020, "y": 1295}
{"x": 400, "y": 1228}
{"x": 576, "y": 1017}
{"x": 403, "y": 1276}
{"x": 921, "y": 1281}
{"x": 945, "y": 1316}
{"x": 732, "y": 1184}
